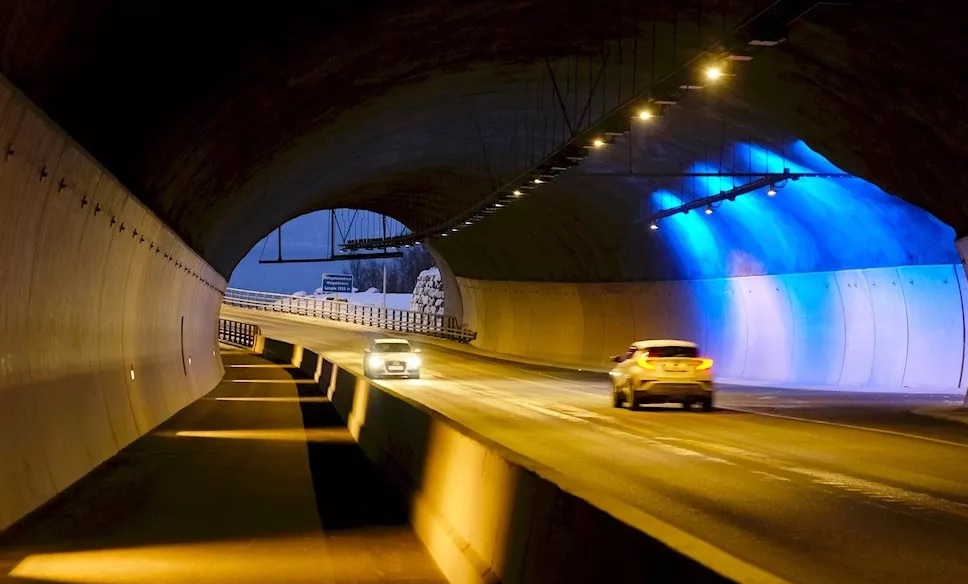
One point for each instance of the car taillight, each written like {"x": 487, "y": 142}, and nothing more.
{"x": 704, "y": 364}
{"x": 644, "y": 362}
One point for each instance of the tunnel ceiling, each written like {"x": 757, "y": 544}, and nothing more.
{"x": 228, "y": 120}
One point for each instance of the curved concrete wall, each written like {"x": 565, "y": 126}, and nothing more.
{"x": 883, "y": 328}
{"x": 82, "y": 305}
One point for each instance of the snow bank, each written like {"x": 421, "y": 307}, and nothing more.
{"x": 371, "y": 297}
{"x": 428, "y": 294}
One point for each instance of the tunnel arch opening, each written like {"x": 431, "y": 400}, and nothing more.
{"x": 300, "y": 257}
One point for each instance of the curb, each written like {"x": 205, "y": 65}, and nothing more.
{"x": 957, "y": 414}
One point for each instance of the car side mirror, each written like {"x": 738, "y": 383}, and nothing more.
{"x": 618, "y": 358}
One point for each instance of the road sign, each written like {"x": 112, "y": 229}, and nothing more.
{"x": 338, "y": 283}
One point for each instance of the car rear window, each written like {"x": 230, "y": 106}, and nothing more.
{"x": 391, "y": 347}
{"x": 665, "y": 352}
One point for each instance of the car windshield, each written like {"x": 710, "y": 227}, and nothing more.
{"x": 665, "y": 352}
{"x": 391, "y": 347}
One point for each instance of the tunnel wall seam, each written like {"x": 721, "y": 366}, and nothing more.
{"x": 871, "y": 329}
{"x": 488, "y": 514}
{"x": 82, "y": 303}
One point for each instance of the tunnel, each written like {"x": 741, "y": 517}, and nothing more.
{"x": 146, "y": 150}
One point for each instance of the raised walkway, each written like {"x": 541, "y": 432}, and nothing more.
{"x": 257, "y": 482}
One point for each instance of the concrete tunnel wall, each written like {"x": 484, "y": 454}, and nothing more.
{"x": 879, "y": 328}
{"x": 82, "y": 304}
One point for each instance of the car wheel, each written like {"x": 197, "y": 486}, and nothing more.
{"x": 617, "y": 398}
{"x": 707, "y": 404}
{"x": 630, "y": 401}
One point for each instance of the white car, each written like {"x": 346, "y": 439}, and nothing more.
{"x": 391, "y": 358}
{"x": 662, "y": 371}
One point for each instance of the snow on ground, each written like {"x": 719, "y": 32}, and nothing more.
{"x": 371, "y": 297}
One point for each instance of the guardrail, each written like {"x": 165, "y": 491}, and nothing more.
{"x": 241, "y": 334}
{"x": 405, "y": 321}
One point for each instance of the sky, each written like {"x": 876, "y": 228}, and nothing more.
{"x": 303, "y": 237}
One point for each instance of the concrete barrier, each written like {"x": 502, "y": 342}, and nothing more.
{"x": 881, "y": 328}
{"x": 103, "y": 336}
{"x": 487, "y": 514}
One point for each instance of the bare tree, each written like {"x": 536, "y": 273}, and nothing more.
{"x": 414, "y": 260}
{"x": 401, "y": 274}
{"x": 356, "y": 269}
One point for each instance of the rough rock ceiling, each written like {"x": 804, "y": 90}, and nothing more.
{"x": 229, "y": 120}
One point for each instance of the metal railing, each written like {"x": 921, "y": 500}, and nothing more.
{"x": 234, "y": 332}
{"x": 405, "y": 321}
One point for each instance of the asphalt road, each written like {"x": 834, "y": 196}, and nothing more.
{"x": 257, "y": 482}
{"x": 812, "y": 486}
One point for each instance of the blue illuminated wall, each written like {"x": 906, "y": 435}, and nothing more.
{"x": 833, "y": 283}
{"x": 876, "y": 329}
{"x": 813, "y": 224}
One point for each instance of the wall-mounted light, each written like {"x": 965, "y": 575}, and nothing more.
{"x": 714, "y": 72}
{"x": 132, "y": 373}
{"x": 653, "y": 226}
{"x": 598, "y": 143}
{"x": 709, "y": 209}
{"x": 517, "y": 192}
{"x": 772, "y": 191}
{"x": 645, "y": 115}
{"x": 189, "y": 359}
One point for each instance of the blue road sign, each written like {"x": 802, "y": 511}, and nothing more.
{"x": 338, "y": 283}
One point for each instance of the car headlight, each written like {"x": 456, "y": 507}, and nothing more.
{"x": 375, "y": 361}
{"x": 413, "y": 362}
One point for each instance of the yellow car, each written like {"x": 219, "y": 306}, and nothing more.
{"x": 662, "y": 371}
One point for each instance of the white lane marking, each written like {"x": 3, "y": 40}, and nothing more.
{"x": 771, "y": 476}
{"x": 572, "y": 381}
{"x": 872, "y": 489}
{"x": 577, "y": 415}
{"x": 850, "y": 426}
{"x": 663, "y": 446}
{"x": 261, "y": 366}
{"x": 307, "y": 381}
{"x": 883, "y": 492}
{"x": 321, "y": 400}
